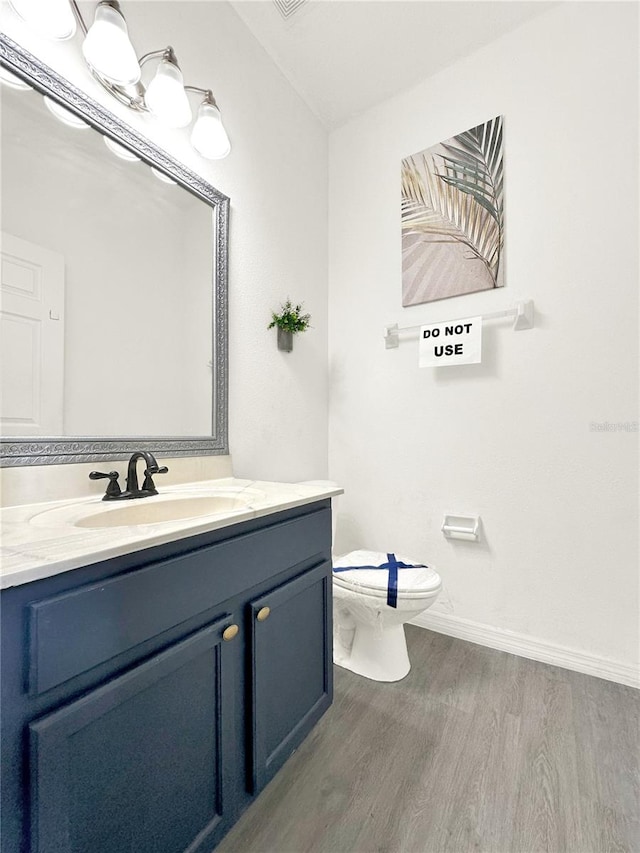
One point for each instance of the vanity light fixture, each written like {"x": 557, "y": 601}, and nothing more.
{"x": 106, "y": 47}
{"x": 208, "y": 136}
{"x": 111, "y": 58}
{"x": 53, "y": 19}
{"x": 64, "y": 115}
{"x": 12, "y": 81}
{"x": 120, "y": 151}
{"x": 165, "y": 95}
{"x": 161, "y": 176}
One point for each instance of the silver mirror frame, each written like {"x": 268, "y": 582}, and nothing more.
{"x": 57, "y": 450}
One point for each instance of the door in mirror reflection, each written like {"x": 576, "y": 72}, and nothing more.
{"x": 31, "y": 338}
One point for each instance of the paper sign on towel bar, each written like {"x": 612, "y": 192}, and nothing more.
{"x": 451, "y": 342}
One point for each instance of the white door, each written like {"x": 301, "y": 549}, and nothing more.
{"x": 31, "y": 339}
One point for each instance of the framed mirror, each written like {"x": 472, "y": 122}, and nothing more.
{"x": 113, "y": 301}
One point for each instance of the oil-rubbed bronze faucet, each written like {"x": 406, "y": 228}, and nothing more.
{"x": 115, "y": 493}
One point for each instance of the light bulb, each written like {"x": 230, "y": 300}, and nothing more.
{"x": 53, "y": 19}
{"x": 162, "y": 177}
{"x": 10, "y": 79}
{"x": 166, "y": 97}
{"x": 64, "y": 115}
{"x": 120, "y": 151}
{"x": 107, "y": 48}
{"x": 209, "y": 137}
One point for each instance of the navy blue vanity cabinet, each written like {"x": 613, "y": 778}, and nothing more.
{"x": 138, "y": 764}
{"x": 291, "y": 668}
{"x": 147, "y": 699}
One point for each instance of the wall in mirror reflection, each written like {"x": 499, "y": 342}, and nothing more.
{"x": 122, "y": 346}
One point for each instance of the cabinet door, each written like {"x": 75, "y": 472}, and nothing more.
{"x": 292, "y": 676}
{"x": 139, "y": 765}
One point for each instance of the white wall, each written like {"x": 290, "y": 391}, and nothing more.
{"x": 276, "y": 177}
{"x": 509, "y": 439}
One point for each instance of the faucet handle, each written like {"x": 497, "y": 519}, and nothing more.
{"x": 113, "y": 489}
{"x": 149, "y": 485}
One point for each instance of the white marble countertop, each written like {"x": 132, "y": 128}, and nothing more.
{"x": 40, "y": 540}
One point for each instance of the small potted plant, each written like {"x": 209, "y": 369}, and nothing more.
{"x": 289, "y": 322}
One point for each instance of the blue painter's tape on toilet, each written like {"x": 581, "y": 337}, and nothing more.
{"x": 392, "y": 565}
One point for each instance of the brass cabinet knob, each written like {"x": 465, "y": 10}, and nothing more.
{"x": 230, "y": 632}
{"x": 263, "y": 614}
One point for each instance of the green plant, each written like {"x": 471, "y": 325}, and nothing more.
{"x": 290, "y": 318}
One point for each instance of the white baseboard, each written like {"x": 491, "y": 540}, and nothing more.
{"x": 528, "y": 647}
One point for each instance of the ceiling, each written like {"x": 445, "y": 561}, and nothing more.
{"x": 344, "y": 56}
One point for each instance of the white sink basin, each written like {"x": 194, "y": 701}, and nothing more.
{"x": 145, "y": 511}
{"x": 160, "y": 509}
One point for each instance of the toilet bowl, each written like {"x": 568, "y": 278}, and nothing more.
{"x": 368, "y": 632}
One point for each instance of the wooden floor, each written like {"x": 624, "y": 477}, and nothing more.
{"x": 476, "y": 750}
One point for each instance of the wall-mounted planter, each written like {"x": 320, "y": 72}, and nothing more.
{"x": 289, "y": 321}
{"x": 285, "y": 340}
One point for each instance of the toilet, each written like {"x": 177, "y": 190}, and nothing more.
{"x": 374, "y": 594}
{"x": 368, "y": 633}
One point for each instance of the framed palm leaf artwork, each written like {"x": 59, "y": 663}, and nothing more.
{"x": 453, "y": 216}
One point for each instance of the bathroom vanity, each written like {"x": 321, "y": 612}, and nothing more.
{"x": 147, "y": 698}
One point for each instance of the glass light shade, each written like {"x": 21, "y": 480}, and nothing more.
{"x": 107, "y": 48}
{"x": 120, "y": 151}
{"x": 10, "y": 79}
{"x": 64, "y": 115}
{"x": 162, "y": 177}
{"x": 53, "y": 19}
{"x": 209, "y": 137}
{"x": 166, "y": 97}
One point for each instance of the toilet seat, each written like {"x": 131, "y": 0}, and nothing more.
{"x": 413, "y": 583}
